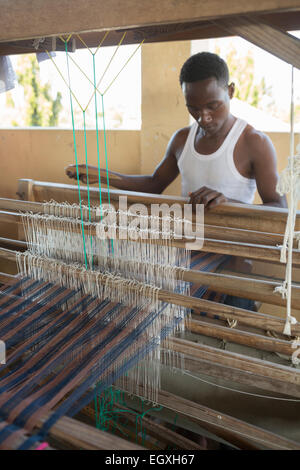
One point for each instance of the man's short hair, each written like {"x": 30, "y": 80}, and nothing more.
{"x": 202, "y": 66}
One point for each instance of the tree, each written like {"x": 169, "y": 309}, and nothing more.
{"x": 40, "y": 108}
{"x": 242, "y": 73}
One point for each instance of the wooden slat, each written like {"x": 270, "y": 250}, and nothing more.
{"x": 263, "y": 343}
{"x": 255, "y": 289}
{"x": 82, "y": 436}
{"x": 245, "y": 317}
{"x": 230, "y": 374}
{"x": 20, "y": 438}
{"x": 233, "y": 430}
{"x": 279, "y": 372}
{"x": 211, "y": 231}
{"x": 23, "y": 20}
{"x": 162, "y": 434}
{"x": 252, "y": 251}
{"x": 7, "y": 279}
{"x": 246, "y": 216}
{"x": 238, "y": 368}
{"x": 286, "y": 21}
{"x": 13, "y": 244}
{"x": 249, "y": 288}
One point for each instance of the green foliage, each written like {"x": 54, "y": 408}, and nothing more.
{"x": 40, "y": 108}
{"x": 297, "y": 112}
{"x": 242, "y": 73}
{"x": 9, "y": 100}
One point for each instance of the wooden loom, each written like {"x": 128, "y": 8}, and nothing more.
{"x": 230, "y": 229}
{"x": 239, "y": 368}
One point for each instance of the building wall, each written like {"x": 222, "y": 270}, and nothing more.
{"x": 42, "y": 154}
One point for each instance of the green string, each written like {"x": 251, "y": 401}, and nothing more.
{"x": 76, "y": 159}
{"x": 95, "y": 86}
{"x": 110, "y": 403}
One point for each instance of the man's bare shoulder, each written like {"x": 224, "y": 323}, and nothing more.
{"x": 256, "y": 141}
{"x": 178, "y": 140}
{"x": 181, "y": 134}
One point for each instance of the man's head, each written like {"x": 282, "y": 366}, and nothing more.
{"x": 204, "y": 80}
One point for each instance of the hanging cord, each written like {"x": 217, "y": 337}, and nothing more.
{"x": 97, "y": 135}
{"x": 106, "y": 161}
{"x": 289, "y": 182}
{"x": 87, "y": 182}
{"x": 76, "y": 159}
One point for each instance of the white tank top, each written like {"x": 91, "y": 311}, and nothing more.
{"x": 217, "y": 170}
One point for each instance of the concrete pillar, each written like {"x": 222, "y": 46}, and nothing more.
{"x": 163, "y": 106}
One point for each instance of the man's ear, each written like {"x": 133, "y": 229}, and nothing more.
{"x": 231, "y": 89}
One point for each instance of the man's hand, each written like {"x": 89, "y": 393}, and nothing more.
{"x": 71, "y": 172}
{"x": 207, "y": 196}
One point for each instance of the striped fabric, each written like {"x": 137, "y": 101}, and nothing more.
{"x": 57, "y": 354}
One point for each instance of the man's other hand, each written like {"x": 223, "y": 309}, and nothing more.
{"x": 207, "y": 196}
{"x": 71, "y": 172}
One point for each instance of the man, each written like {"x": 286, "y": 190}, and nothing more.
{"x": 220, "y": 157}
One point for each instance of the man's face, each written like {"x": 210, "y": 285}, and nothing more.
{"x": 208, "y": 103}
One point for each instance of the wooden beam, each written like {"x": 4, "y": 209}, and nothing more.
{"x": 231, "y": 429}
{"x": 13, "y": 244}
{"x": 279, "y": 43}
{"x": 211, "y": 231}
{"x": 19, "y": 438}
{"x": 238, "y": 368}
{"x": 278, "y": 372}
{"x": 230, "y": 374}
{"x": 249, "y": 288}
{"x": 160, "y": 432}
{"x": 7, "y": 279}
{"x": 255, "y": 319}
{"x": 235, "y": 215}
{"x": 253, "y": 340}
{"x": 245, "y": 250}
{"x": 82, "y": 436}
{"x": 286, "y": 21}
{"x": 23, "y": 20}
{"x": 254, "y": 289}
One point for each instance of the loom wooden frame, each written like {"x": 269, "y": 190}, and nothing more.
{"x": 221, "y": 370}
{"x": 41, "y": 23}
{"x": 238, "y": 432}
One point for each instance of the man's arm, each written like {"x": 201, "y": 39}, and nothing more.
{"x": 163, "y": 175}
{"x": 264, "y": 166}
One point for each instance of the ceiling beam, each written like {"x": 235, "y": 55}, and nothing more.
{"x": 160, "y": 33}
{"x": 21, "y": 19}
{"x": 279, "y": 43}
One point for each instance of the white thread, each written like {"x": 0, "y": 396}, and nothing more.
{"x": 56, "y": 254}
{"x": 289, "y": 182}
